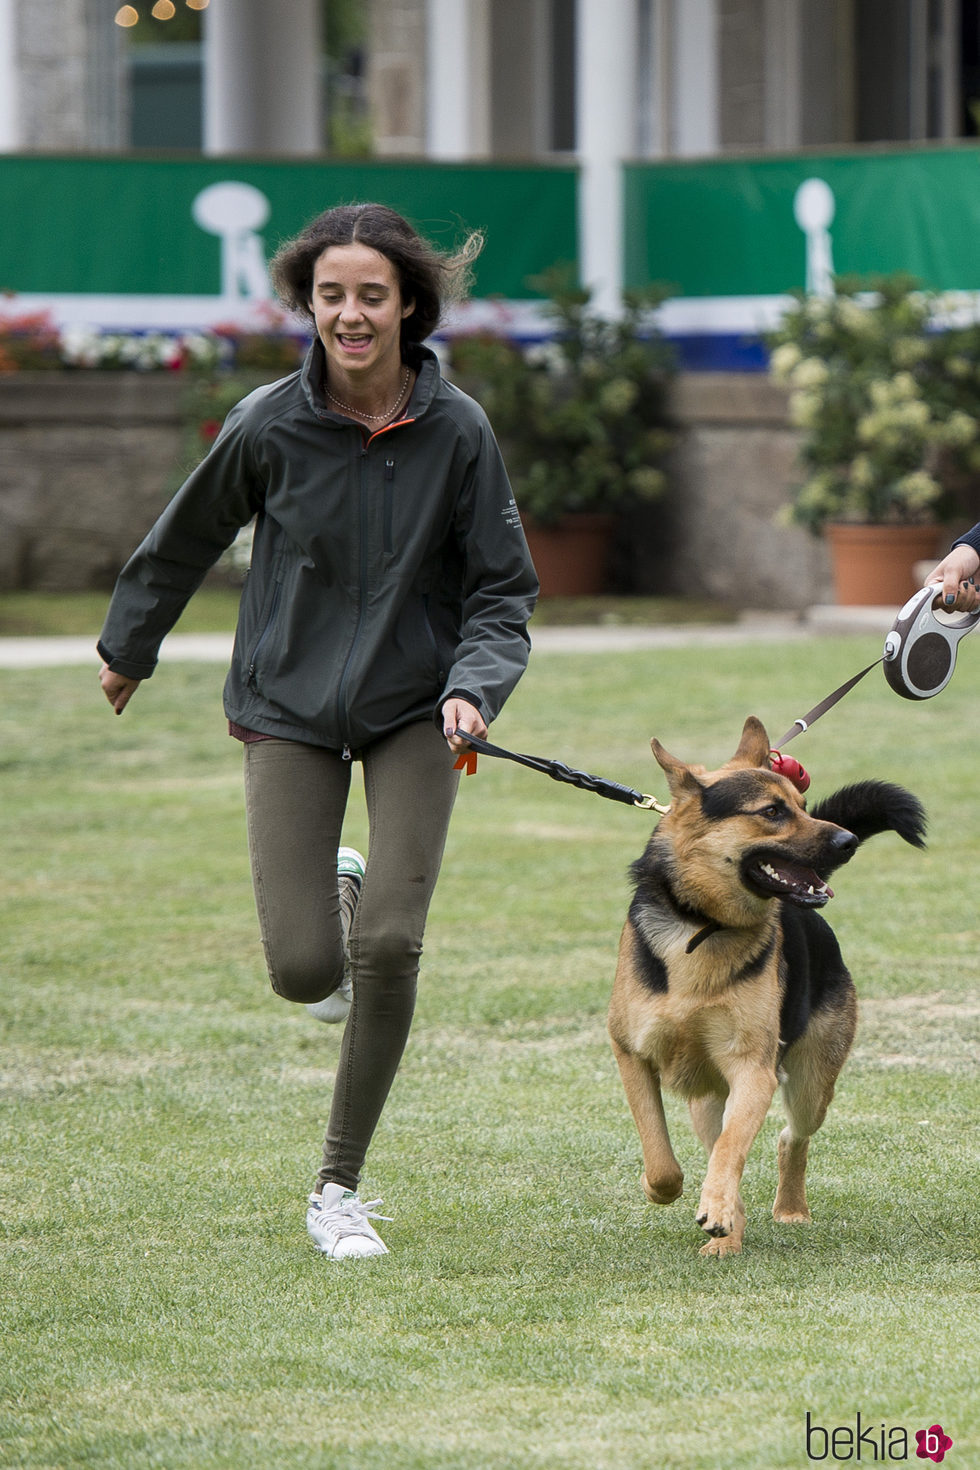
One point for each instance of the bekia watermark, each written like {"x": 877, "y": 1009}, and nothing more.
{"x": 867, "y": 1443}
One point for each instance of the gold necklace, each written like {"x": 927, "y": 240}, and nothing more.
{"x": 374, "y": 418}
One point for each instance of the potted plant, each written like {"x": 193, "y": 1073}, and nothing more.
{"x": 582, "y": 421}
{"x": 884, "y": 385}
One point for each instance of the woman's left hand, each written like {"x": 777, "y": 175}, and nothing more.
{"x": 457, "y": 714}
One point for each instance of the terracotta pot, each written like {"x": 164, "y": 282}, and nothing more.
{"x": 571, "y": 557}
{"x": 873, "y": 565}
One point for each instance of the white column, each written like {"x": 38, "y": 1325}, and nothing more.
{"x": 695, "y": 77}
{"x": 262, "y": 77}
{"x": 11, "y": 137}
{"x": 605, "y": 108}
{"x": 457, "y": 119}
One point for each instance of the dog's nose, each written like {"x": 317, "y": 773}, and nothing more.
{"x": 845, "y": 844}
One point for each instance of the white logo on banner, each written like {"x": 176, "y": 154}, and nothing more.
{"x": 236, "y": 212}
{"x": 814, "y": 208}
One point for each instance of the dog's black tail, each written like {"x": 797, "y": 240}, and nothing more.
{"x": 870, "y": 807}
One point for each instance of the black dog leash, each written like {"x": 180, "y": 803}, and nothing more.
{"x": 558, "y": 771}
{"x": 614, "y": 790}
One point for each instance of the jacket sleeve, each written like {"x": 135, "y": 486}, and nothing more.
{"x": 969, "y": 538}
{"x": 202, "y": 520}
{"x": 500, "y": 585}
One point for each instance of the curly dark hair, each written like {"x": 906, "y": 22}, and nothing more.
{"x": 425, "y": 275}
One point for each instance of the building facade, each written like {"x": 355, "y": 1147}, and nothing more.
{"x": 476, "y": 78}
{"x": 600, "y": 82}
{"x": 675, "y": 140}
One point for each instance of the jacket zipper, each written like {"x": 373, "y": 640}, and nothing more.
{"x": 362, "y": 568}
{"x": 389, "y": 502}
{"x": 430, "y": 631}
{"x": 263, "y": 636}
{"x": 342, "y": 714}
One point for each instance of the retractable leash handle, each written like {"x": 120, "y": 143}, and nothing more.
{"x": 918, "y": 658}
{"x": 920, "y": 651}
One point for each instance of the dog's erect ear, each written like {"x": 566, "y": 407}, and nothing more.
{"x": 753, "y": 748}
{"x": 681, "y": 778}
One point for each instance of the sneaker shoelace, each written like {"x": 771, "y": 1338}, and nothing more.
{"x": 349, "y": 1216}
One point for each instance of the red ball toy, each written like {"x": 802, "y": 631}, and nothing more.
{"x": 785, "y": 765}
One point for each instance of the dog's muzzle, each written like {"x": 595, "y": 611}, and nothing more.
{"x": 772, "y": 873}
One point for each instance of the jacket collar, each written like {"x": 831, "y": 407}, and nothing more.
{"x": 422, "y": 359}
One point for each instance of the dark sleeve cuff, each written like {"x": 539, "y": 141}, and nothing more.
{"x": 127, "y": 667}
{"x": 468, "y": 695}
{"x": 970, "y": 538}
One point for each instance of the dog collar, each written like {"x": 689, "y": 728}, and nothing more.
{"x": 711, "y": 927}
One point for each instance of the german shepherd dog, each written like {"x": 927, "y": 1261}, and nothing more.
{"x": 728, "y": 982}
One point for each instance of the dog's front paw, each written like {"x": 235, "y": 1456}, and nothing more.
{"x": 716, "y": 1215}
{"x": 725, "y": 1224}
{"x": 664, "y": 1189}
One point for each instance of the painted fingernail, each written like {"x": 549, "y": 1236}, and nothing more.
{"x": 950, "y": 599}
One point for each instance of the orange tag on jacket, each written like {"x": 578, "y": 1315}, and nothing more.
{"x": 466, "y": 762}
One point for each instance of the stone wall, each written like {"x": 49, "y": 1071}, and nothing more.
{"x": 88, "y": 460}
{"x": 719, "y": 534}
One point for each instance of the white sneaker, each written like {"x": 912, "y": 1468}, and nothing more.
{"x": 339, "y": 1226}
{"x": 335, "y": 1007}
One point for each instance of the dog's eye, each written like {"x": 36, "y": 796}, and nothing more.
{"x": 774, "y": 812}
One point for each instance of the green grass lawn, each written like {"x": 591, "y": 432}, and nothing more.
{"x": 213, "y": 610}
{"x": 162, "y": 1111}
{"x": 44, "y": 614}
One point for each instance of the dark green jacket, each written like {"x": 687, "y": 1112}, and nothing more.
{"x": 386, "y": 573}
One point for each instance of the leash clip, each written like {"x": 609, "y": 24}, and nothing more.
{"x": 651, "y": 804}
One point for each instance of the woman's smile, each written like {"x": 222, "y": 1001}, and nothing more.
{"x": 354, "y": 342}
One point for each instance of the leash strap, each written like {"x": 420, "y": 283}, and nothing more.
{"x": 804, "y": 723}
{"x": 560, "y": 772}
{"x": 613, "y": 790}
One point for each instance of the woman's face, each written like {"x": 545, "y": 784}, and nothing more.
{"x": 358, "y": 310}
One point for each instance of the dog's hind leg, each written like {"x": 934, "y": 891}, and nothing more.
{"x": 707, "y": 1116}
{"x": 663, "y": 1178}
{"x": 811, "y": 1067}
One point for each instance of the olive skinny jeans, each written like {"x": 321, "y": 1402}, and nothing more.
{"x": 296, "y": 795}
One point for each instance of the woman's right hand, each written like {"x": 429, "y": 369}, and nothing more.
{"x": 117, "y": 689}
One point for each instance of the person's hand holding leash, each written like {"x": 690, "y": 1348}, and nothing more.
{"x": 117, "y": 689}
{"x": 458, "y": 714}
{"x": 956, "y": 573}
